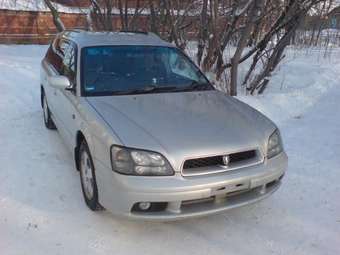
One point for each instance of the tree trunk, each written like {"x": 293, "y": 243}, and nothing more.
{"x": 203, "y": 33}
{"x": 121, "y": 13}
{"x": 56, "y": 19}
{"x": 153, "y": 26}
{"x": 242, "y": 43}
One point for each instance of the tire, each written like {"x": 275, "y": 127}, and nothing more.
{"x": 88, "y": 178}
{"x": 49, "y": 124}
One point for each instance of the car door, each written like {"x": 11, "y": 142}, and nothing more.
{"x": 67, "y": 99}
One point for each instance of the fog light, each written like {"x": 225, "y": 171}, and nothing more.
{"x": 144, "y": 206}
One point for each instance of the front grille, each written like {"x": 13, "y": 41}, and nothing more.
{"x": 203, "y": 162}
{"x": 218, "y": 160}
{"x": 207, "y": 165}
{"x": 240, "y": 156}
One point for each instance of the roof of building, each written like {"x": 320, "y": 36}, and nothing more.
{"x": 85, "y": 38}
{"x": 39, "y": 5}
{"x": 73, "y": 3}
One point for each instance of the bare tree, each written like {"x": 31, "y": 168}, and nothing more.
{"x": 224, "y": 24}
{"x": 104, "y": 11}
{"x": 269, "y": 52}
{"x": 270, "y": 46}
{"x": 321, "y": 11}
{"x": 171, "y": 19}
{"x": 56, "y": 18}
{"x": 257, "y": 29}
{"x": 253, "y": 6}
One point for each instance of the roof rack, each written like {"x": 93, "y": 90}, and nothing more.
{"x": 134, "y": 31}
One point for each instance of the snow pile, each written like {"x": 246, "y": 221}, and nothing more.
{"x": 42, "y": 209}
{"x": 302, "y": 78}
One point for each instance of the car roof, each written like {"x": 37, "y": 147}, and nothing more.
{"x": 85, "y": 38}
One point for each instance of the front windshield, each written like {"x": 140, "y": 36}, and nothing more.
{"x": 114, "y": 70}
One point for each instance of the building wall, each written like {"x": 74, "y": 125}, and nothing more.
{"x": 34, "y": 27}
{"x": 37, "y": 27}
{"x": 31, "y": 27}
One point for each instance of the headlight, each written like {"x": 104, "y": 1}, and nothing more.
{"x": 274, "y": 144}
{"x": 139, "y": 162}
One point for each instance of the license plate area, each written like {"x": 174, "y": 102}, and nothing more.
{"x": 230, "y": 188}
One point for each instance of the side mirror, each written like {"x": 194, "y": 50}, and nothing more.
{"x": 59, "y": 81}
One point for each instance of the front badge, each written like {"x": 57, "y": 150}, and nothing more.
{"x": 226, "y": 160}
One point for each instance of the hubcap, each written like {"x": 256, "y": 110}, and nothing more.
{"x": 45, "y": 109}
{"x": 86, "y": 174}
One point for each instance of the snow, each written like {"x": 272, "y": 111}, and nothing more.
{"x": 36, "y": 5}
{"x": 299, "y": 83}
{"x": 42, "y": 209}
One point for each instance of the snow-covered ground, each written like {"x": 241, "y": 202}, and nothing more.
{"x": 42, "y": 209}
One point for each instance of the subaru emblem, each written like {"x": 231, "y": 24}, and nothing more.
{"x": 226, "y": 160}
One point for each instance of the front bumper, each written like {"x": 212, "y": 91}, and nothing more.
{"x": 189, "y": 196}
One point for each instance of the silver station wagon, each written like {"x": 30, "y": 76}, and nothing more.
{"x": 150, "y": 135}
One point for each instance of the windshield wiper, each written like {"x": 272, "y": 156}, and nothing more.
{"x": 151, "y": 89}
{"x": 145, "y": 90}
{"x": 154, "y": 89}
{"x": 197, "y": 86}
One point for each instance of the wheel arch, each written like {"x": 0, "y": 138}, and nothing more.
{"x": 80, "y": 137}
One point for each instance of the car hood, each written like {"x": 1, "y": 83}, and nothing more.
{"x": 184, "y": 125}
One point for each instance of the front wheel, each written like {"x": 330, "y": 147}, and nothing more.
{"x": 88, "y": 178}
{"x": 47, "y": 114}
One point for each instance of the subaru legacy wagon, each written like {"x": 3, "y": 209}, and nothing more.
{"x": 150, "y": 135}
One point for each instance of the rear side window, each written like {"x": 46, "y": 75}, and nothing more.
{"x": 62, "y": 56}
{"x": 69, "y": 62}
{"x": 54, "y": 59}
